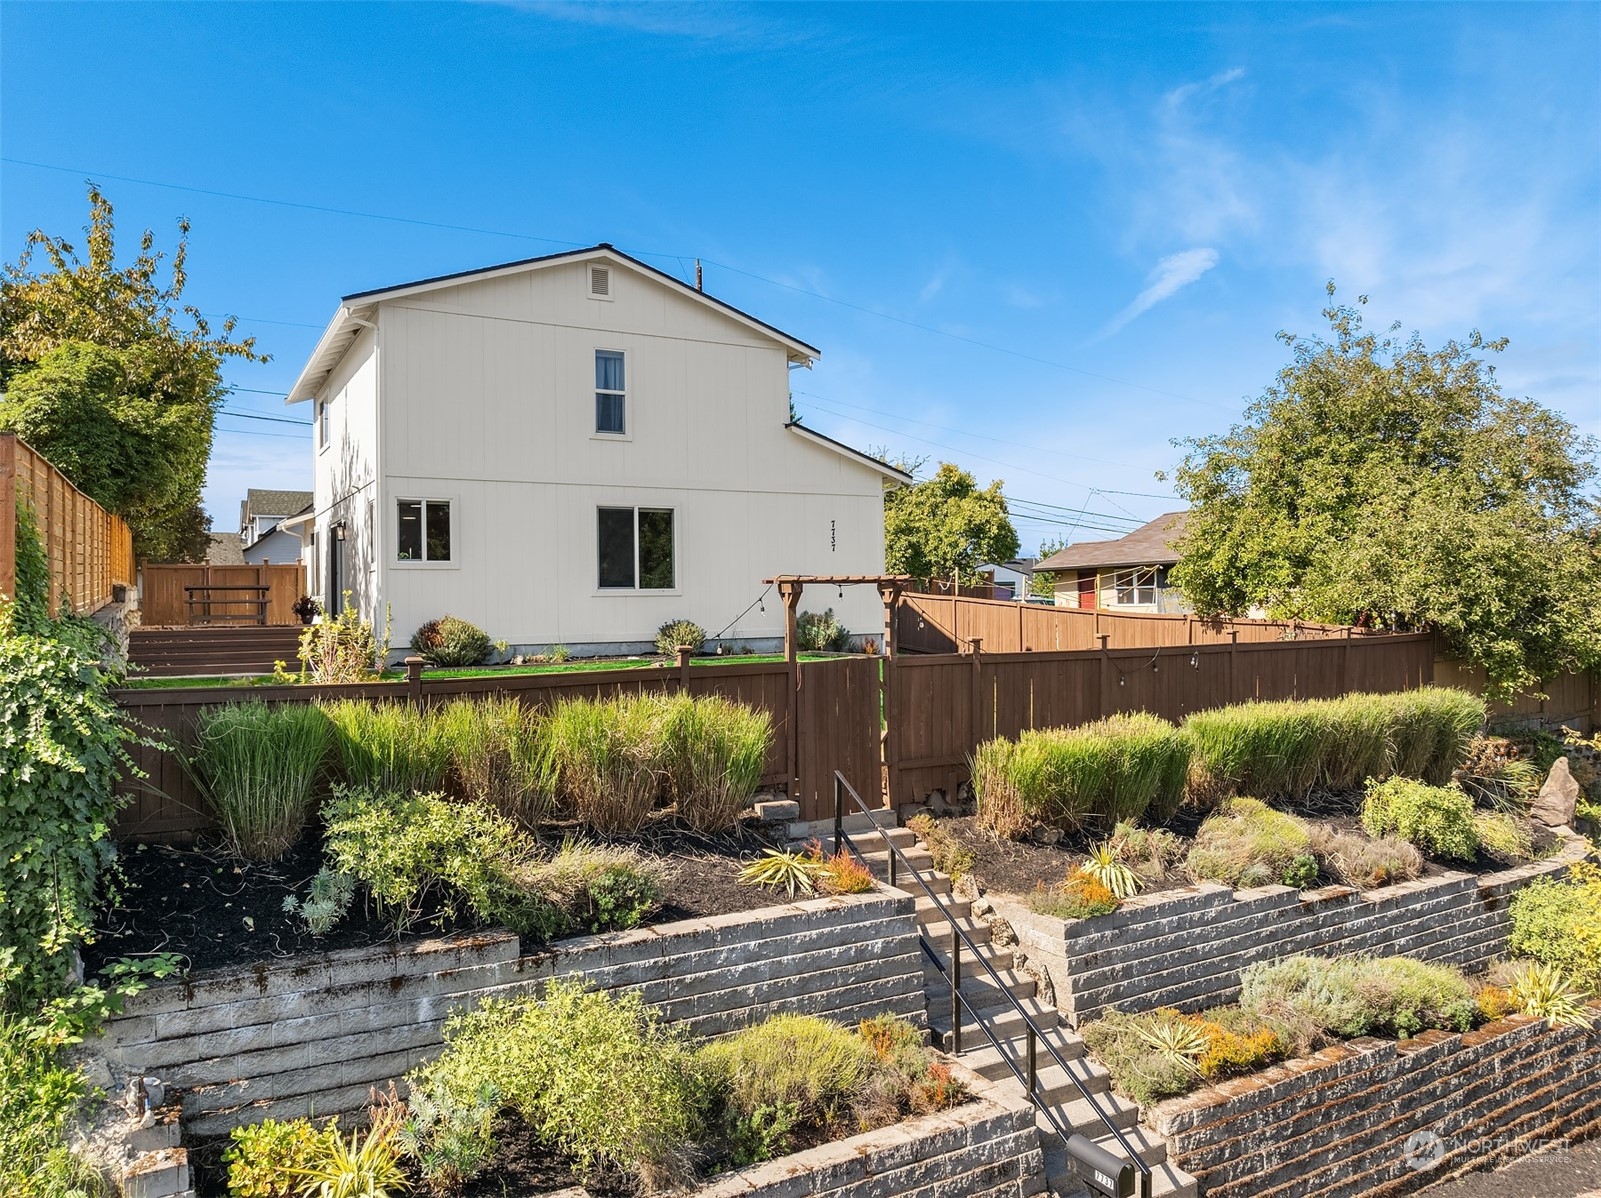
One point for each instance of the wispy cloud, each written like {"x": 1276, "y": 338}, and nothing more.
{"x": 1172, "y": 275}
{"x": 696, "y": 22}
{"x": 1179, "y": 96}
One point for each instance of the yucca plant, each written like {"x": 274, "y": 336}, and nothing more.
{"x": 258, "y": 767}
{"x": 1545, "y": 992}
{"x": 794, "y": 871}
{"x": 714, "y": 751}
{"x": 388, "y": 746}
{"x": 1104, "y": 865}
{"x": 1176, "y": 1041}
{"x": 366, "y": 1167}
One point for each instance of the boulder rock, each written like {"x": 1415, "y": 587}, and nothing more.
{"x": 1558, "y": 797}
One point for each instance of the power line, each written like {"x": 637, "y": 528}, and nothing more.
{"x": 254, "y": 416}
{"x": 406, "y": 220}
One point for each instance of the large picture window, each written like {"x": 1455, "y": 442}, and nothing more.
{"x": 635, "y": 548}
{"x": 423, "y": 533}
{"x": 611, "y": 394}
{"x": 1136, "y": 586}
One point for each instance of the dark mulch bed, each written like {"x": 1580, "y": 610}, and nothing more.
{"x": 217, "y": 911}
{"x": 1017, "y": 867}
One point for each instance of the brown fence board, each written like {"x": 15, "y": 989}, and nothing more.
{"x": 89, "y": 550}
{"x": 163, "y": 600}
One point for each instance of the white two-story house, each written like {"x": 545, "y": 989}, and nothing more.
{"x": 573, "y": 450}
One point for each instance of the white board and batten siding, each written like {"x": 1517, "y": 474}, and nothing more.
{"x": 482, "y": 393}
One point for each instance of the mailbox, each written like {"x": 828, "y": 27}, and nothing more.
{"x": 1100, "y": 1170}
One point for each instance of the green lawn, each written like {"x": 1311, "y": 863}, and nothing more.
{"x": 566, "y": 667}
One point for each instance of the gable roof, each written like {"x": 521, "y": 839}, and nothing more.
{"x": 259, "y": 502}
{"x": 1149, "y": 545}
{"x": 356, "y": 309}
{"x": 856, "y": 455}
{"x": 225, "y": 549}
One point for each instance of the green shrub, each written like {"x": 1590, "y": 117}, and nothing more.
{"x": 343, "y": 648}
{"x": 715, "y": 752}
{"x": 595, "y": 1075}
{"x": 823, "y": 633}
{"x": 810, "y": 1066}
{"x": 1503, "y": 834}
{"x": 679, "y": 632}
{"x": 1437, "y": 819}
{"x": 39, "y": 1099}
{"x": 609, "y": 758}
{"x": 416, "y": 851}
{"x": 595, "y": 888}
{"x": 388, "y": 746}
{"x": 1138, "y": 1068}
{"x": 1559, "y": 923}
{"x": 258, "y": 767}
{"x": 61, "y": 750}
{"x": 1358, "y": 996}
{"x": 1247, "y": 843}
{"x": 1285, "y": 748}
{"x": 1116, "y": 769}
{"x": 500, "y": 754}
{"x": 1363, "y": 863}
{"x": 30, "y": 602}
{"x": 268, "y": 1159}
{"x": 451, "y": 641}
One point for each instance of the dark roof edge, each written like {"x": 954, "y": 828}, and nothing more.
{"x": 604, "y": 245}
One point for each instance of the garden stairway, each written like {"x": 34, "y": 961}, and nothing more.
{"x": 978, "y": 1054}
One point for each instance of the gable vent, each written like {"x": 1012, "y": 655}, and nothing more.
{"x": 600, "y": 281}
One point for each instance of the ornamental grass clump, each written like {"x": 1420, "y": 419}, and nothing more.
{"x": 1437, "y": 819}
{"x": 609, "y": 759}
{"x": 388, "y": 746}
{"x": 500, "y": 754}
{"x": 714, "y": 753}
{"x": 1122, "y": 768}
{"x": 1358, "y": 996}
{"x": 258, "y": 768}
{"x": 1430, "y": 731}
{"x": 1257, "y": 748}
{"x": 1363, "y": 863}
{"x": 1247, "y": 843}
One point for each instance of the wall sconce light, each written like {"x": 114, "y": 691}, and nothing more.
{"x": 340, "y": 530}
{"x": 1195, "y": 661}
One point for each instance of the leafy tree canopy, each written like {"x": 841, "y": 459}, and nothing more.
{"x": 114, "y": 379}
{"x": 1380, "y": 483}
{"x": 1044, "y": 581}
{"x": 946, "y": 525}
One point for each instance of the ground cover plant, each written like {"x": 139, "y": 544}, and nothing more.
{"x": 1439, "y": 820}
{"x": 1080, "y": 896}
{"x": 1247, "y": 843}
{"x": 1123, "y": 768}
{"x": 258, "y": 768}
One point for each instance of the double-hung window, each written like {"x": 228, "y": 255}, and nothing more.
{"x": 1136, "y": 587}
{"x": 423, "y": 532}
{"x": 635, "y": 548}
{"x": 611, "y": 394}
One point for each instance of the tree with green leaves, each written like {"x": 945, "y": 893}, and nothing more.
{"x": 1380, "y": 483}
{"x": 947, "y": 526}
{"x": 114, "y": 379}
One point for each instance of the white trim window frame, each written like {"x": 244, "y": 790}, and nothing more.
{"x": 433, "y": 544}
{"x": 1136, "y": 587}
{"x": 323, "y": 437}
{"x": 626, "y": 571}
{"x": 611, "y": 394}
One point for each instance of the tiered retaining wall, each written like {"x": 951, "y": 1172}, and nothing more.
{"x": 314, "y": 1033}
{"x": 1373, "y": 1117}
{"x": 1186, "y": 948}
{"x": 985, "y": 1149}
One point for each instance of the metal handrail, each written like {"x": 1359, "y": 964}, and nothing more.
{"x": 953, "y": 975}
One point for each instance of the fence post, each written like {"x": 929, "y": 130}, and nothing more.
{"x": 683, "y": 667}
{"x": 1103, "y": 694}
{"x": 8, "y": 515}
{"x": 414, "y": 681}
{"x": 1234, "y": 653}
{"x": 977, "y": 644}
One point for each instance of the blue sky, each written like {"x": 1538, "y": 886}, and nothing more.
{"x": 1038, "y": 240}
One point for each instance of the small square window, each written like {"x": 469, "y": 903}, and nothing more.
{"x": 1136, "y": 587}
{"x": 423, "y": 530}
{"x": 635, "y": 549}
{"x": 610, "y": 393}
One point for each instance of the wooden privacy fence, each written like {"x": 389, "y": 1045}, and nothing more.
{"x": 1571, "y": 699}
{"x": 940, "y": 707}
{"x": 181, "y": 595}
{"x": 838, "y": 725}
{"x": 941, "y": 624}
{"x": 89, "y": 550}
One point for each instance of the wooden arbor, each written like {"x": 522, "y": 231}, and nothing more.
{"x": 790, "y": 588}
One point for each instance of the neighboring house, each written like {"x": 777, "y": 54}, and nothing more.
{"x": 262, "y": 530}
{"x": 225, "y": 550}
{"x": 1010, "y": 579}
{"x": 574, "y": 450}
{"x": 1128, "y": 574}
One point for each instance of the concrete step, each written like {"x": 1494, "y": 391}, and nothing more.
{"x": 937, "y": 929}
{"x": 876, "y": 857}
{"x": 1150, "y": 1146}
{"x": 1000, "y": 960}
{"x": 1004, "y": 1024}
{"x": 978, "y": 989}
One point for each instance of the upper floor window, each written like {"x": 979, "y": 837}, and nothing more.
{"x": 1136, "y": 586}
{"x": 636, "y": 548}
{"x": 611, "y": 395}
{"x": 322, "y": 424}
{"x": 423, "y": 533}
